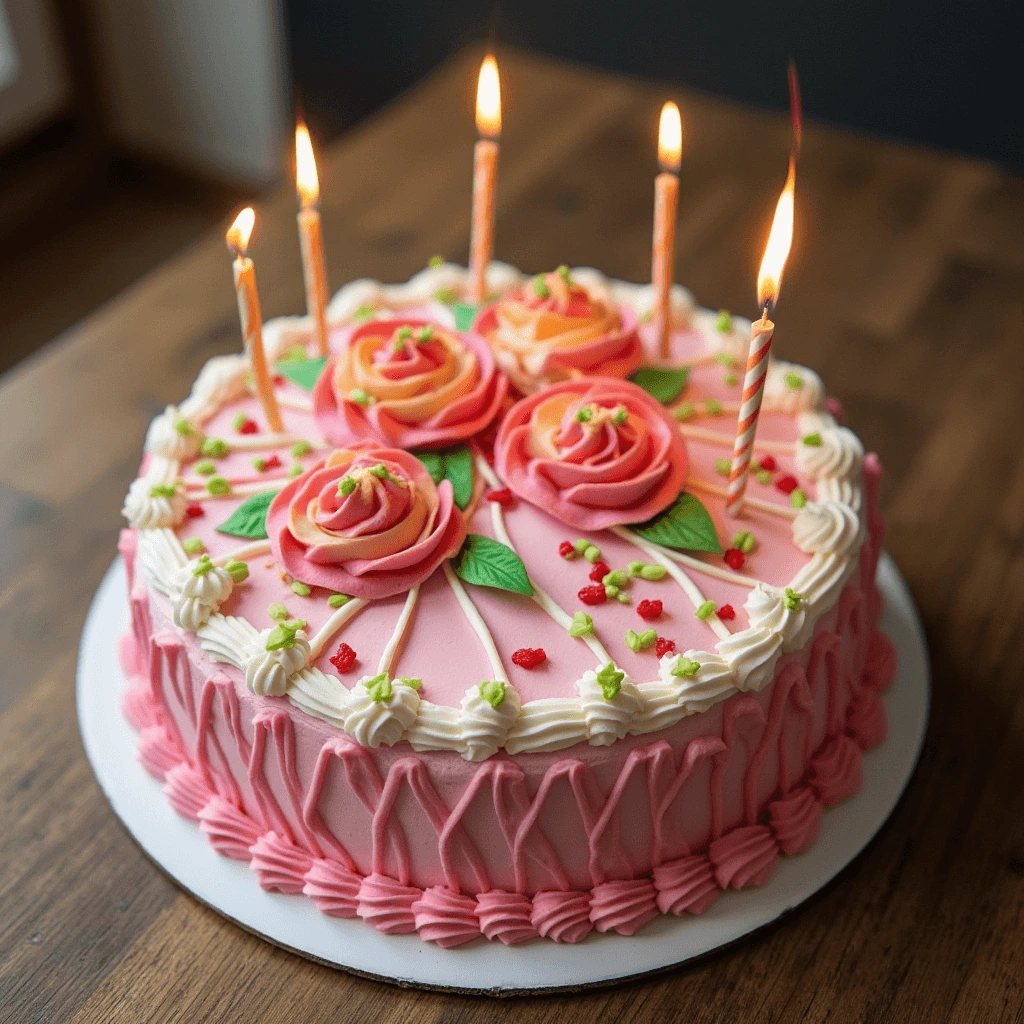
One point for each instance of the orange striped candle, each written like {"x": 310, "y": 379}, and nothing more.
{"x": 666, "y": 202}
{"x": 485, "y": 171}
{"x": 307, "y": 184}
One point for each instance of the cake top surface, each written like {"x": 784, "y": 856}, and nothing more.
{"x": 508, "y": 533}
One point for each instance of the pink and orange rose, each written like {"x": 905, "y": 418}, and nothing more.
{"x": 368, "y": 521}
{"x": 594, "y": 453}
{"x": 409, "y": 383}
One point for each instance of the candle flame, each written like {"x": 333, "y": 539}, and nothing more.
{"x": 307, "y": 183}
{"x": 488, "y": 99}
{"x": 241, "y": 230}
{"x": 670, "y": 138}
{"x": 780, "y": 238}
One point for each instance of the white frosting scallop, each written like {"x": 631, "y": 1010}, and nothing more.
{"x": 766, "y": 607}
{"x": 752, "y": 654}
{"x": 484, "y": 727}
{"x": 220, "y": 381}
{"x": 147, "y": 511}
{"x": 840, "y": 453}
{"x": 550, "y": 723}
{"x": 713, "y": 681}
{"x": 165, "y": 438}
{"x": 826, "y": 527}
{"x": 372, "y": 723}
{"x": 267, "y": 672}
{"x": 197, "y": 597}
{"x": 607, "y": 720}
{"x": 842, "y": 490}
{"x": 780, "y": 396}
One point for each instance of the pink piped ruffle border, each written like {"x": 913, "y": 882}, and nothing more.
{"x": 744, "y": 856}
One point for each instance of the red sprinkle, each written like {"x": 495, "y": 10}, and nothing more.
{"x": 249, "y": 427}
{"x": 344, "y": 658}
{"x": 787, "y": 484}
{"x": 503, "y": 497}
{"x": 529, "y": 657}
{"x": 594, "y": 594}
{"x": 663, "y": 646}
{"x": 649, "y": 610}
{"x": 272, "y": 463}
{"x": 734, "y": 558}
{"x": 727, "y": 613}
{"x": 195, "y": 510}
{"x": 278, "y": 379}
{"x": 768, "y": 462}
{"x": 565, "y": 549}
{"x": 600, "y": 570}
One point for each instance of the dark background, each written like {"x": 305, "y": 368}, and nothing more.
{"x": 946, "y": 73}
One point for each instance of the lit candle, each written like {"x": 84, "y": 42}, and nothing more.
{"x": 769, "y": 279}
{"x": 485, "y": 169}
{"x": 310, "y": 236}
{"x": 249, "y": 315}
{"x": 666, "y": 201}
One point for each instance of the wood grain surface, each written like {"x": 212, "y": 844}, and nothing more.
{"x": 906, "y": 291}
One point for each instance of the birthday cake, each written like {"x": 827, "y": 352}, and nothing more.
{"x": 470, "y": 647}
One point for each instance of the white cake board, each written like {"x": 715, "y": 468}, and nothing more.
{"x": 228, "y": 886}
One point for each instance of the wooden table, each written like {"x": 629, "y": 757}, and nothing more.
{"x": 906, "y": 291}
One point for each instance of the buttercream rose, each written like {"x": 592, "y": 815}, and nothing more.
{"x": 553, "y": 329}
{"x": 410, "y": 384}
{"x": 594, "y": 452}
{"x": 368, "y": 521}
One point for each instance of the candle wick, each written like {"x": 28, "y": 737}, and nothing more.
{"x": 764, "y": 315}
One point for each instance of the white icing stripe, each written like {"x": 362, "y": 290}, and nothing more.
{"x": 292, "y": 401}
{"x": 237, "y": 490}
{"x": 327, "y": 631}
{"x": 694, "y": 563}
{"x": 762, "y": 506}
{"x": 244, "y": 553}
{"x": 265, "y": 442}
{"x": 726, "y": 440}
{"x": 476, "y": 621}
{"x": 401, "y": 628}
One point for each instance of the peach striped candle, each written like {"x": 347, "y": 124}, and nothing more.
{"x": 666, "y": 203}
{"x": 311, "y": 242}
{"x": 485, "y": 172}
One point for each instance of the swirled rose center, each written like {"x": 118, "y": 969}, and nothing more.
{"x": 370, "y": 498}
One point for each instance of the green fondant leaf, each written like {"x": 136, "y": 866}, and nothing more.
{"x": 434, "y": 464}
{"x": 663, "y": 383}
{"x": 685, "y": 526}
{"x": 464, "y": 316}
{"x": 455, "y": 464}
{"x": 250, "y": 518}
{"x": 304, "y": 372}
{"x": 489, "y": 563}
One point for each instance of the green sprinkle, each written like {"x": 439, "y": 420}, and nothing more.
{"x": 259, "y": 464}
{"x": 730, "y": 380}
{"x": 435, "y": 261}
{"x": 237, "y": 570}
{"x": 685, "y": 667}
{"x": 446, "y": 295}
{"x": 622, "y": 597}
{"x": 582, "y": 625}
{"x": 617, "y": 578}
{"x": 425, "y": 333}
{"x": 653, "y": 572}
{"x": 360, "y": 396}
{"x": 363, "y": 313}
{"x": 337, "y": 600}
{"x": 563, "y": 272}
{"x": 296, "y": 470}
{"x": 404, "y": 333}
{"x": 295, "y": 353}
{"x": 193, "y": 545}
{"x": 203, "y": 566}
{"x": 540, "y": 288}
{"x": 239, "y": 421}
{"x": 610, "y": 679}
{"x": 163, "y": 490}
{"x": 381, "y": 472}
{"x": 584, "y": 415}
{"x": 763, "y": 476}
{"x": 611, "y": 591}
{"x": 214, "y": 447}
{"x": 640, "y": 641}
{"x": 713, "y": 407}
{"x": 705, "y": 611}
{"x": 797, "y": 498}
{"x": 791, "y": 599}
{"x": 723, "y": 466}
{"x": 277, "y": 612}
{"x": 492, "y": 691}
{"x": 647, "y": 316}
{"x": 683, "y": 411}
{"x": 724, "y": 359}
{"x": 580, "y": 545}
{"x": 793, "y": 381}
{"x": 300, "y": 588}
{"x": 592, "y": 554}
{"x": 282, "y": 637}
{"x": 745, "y": 541}
{"x": 346, "y": 485}
{"x": 301, "y": 448}
{"x": 413, "y": 684}
{"x": 812, "y": 440}
{"x": 636, "y": 568}
{"x": 183, "y": 427}
{"x": 205, "y": 467}
{"x": 218, "y": 486}
{"x": 619, "y": 415}
{"x": 723, "y": 322}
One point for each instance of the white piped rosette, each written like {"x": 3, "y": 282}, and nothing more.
{"x": 153, "y": 503}
{"x": 172, "y": 436}
{"x": 483, "y": 724}
{"x": 267, "y": 672}
{"x": 713, "y": 681}
{"x": 607, "y": 720}
{"x": 373, "y": 722}
{"x": 198, "y": 595}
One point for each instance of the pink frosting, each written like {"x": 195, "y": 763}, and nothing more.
{"x": 137, "y": 707}
{"x": 387, "y": 904}
{"x": 836, "y": 772}
{"x": 187, "y": 791}
{"x": 624, "y": 906}
{"x": 231, "y": 832}
{"x": 158, "y": 753}
{"x": 280, "y": 864}
{"x": 686, "y": 885}
{"x": 795, "y": 819}
{"x": 505, "y": 916}
{"x": 333, "y": 888}
{"x": 745, "y": 856}
{"x": 422, "y": 395}
{"x": 562, "y": 916}
{"x": 446, "y": 917}
{"x": 387, "y": 534}
{"x": 880, "y": 668}
{"x": 597, "y": 472}
{"x": 866, "y": 721}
